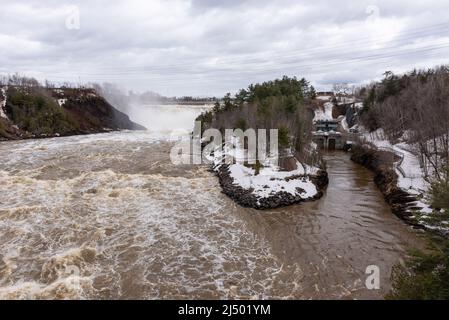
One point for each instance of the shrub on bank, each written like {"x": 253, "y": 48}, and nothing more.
{"x": 33, "y": 110}
{"x": 439, "y": 192}
{"x": 424, "y": 277}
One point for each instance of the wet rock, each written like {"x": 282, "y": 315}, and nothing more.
{"x": 246, "y": 198}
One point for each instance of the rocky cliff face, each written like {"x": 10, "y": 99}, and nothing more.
{"x": 34, "y": 112}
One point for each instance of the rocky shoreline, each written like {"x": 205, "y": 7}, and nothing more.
{"x": 401, "y": 202}
{"x": 246, "y": 198}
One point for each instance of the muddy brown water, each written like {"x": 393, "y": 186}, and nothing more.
{"x": 108, "y": 216}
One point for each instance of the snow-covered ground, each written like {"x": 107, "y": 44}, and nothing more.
{"x": 61, "y": 102}
{"x": 344, "y": 123}
{"x": 270, "y": 179}
{"x": 3, "y": 103}
{"x": 348, "y": 99}
{"x": 325, "y": 114}
{"x": 324, "y": 98}
{"x": 410, "y": 174}
{"x": 409, "y": 170}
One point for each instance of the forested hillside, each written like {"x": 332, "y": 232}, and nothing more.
{"x": 283, "y": 104}
{"x": 413, "y": 108}
{"x": 411, "y": 111}
{"x": 29, "y": 109}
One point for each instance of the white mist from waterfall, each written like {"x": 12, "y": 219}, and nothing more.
{"x": 166, "y": 119}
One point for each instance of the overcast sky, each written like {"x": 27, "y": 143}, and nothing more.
{"x": 201, "y": 47}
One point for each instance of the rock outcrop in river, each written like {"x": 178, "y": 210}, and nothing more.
{"x": 273, "y": 197}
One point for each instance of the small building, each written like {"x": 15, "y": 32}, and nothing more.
{"x": 326, "y": 135}
{"x": 325, "y": 93}
{"x": 326, "y": 125}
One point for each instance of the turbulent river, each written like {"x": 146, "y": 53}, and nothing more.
{"x": 108, "y": 216}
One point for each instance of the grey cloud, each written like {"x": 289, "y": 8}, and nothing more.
{"x": 201, "y": 47}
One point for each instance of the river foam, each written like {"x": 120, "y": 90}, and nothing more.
{"x": 108, "y": 216}
{"x": 135, "y": 235}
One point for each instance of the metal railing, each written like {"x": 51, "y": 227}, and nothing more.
{"x": 398, "y": 164}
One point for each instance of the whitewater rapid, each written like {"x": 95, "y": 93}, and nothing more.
{"x": 108, "y": 216}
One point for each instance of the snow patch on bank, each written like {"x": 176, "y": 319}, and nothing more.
{"x": 270, "y": 180}
{"x": 3, "y": 103}
{"x": 410, "y": 174}
{"x": 62, "y": 102}
{"x": 409, "y": 169}
{"x": 344, "y": 123}
{"x": 358, "y": 105}
{"x": 325, "y": 113}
